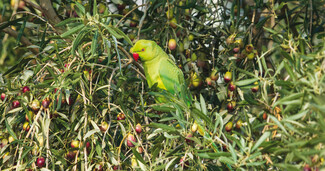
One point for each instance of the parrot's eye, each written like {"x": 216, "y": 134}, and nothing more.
{"x": 142, "y": 50}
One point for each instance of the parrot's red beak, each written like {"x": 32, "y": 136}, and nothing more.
{"x": 135, "y": 56}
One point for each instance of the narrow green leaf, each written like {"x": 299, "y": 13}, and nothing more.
{"x": 203, "y": 105}
{"x": 72, "y": 30}
{"x": 123, "y": 34}
{"x": 94, "y": 43}
{"x": 9, "y": 129}
{"x": 261, "y": 140}
{"x": 81, "y": 8}
{"x": 137, "y": 155}
{"x": 200, "y": 115}
{"x": 89, "y": 133}
{"x": 21, "y": 30}
{"x": 170, "y": 163}
{"x": 95, "y": 8}
{"x": 213, "y": 155}
{"x": 290, "y": 71}
{"x": 226, "y": 160}
{"x": 297, "y": 116}
{"x": 76, "y": 41}
{"x": 291, "y": 97}
{"x": 246, "y": 82}
{"x": 64, "y": 22}
{"x": 111, "y": 31}
{"x": 233, "y": 153}
{"x": 277, "y": 122}
{"x": 162, "y": 126}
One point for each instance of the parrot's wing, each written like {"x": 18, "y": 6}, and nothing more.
{"x": 170, "y": 75}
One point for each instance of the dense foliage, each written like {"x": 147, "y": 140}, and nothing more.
{"x": 72, "y": 96}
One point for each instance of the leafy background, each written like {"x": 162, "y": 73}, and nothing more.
{"x": 75, "y": 55}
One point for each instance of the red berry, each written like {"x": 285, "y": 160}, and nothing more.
{"x": 40, "y": 162}
{"x": 255, "y": 89}
{"x": 307, "y": 168}
{"x": 172, "y": 44}
{"x": 46, "y": 103}
{"x": 189, "y": 141}
{"x": 26, "y": 126}
{"x": 70, "y": 102}
{"x": 239, "y": 124}
{"x": 71, "y": 155}
{"x": 140, "y": 150}
{"x": 31, "y": 114}
{"x": 236, "y": 49}
{"x": 104, "y": 126}
{"x": 3, "y": 96}
{"x": 25, "y": 89}
{"x": 138, "y": 128}
{"x": 133, "y": 24}
{"x": 184, "y": 164}
{"x": 121, "y": 116}
{"x": 231, "y": 105}
{"x": 15, "y": 104}
{"x": 35, "y": 105}
{"x": 74, "y": 144}
{"x": 232, "y": 86}
{"x": 264, "y": 116}
{"x": 121, "y": 7}
{"x": 130, "y": 140}
{"x": 228, "y": 126}
{"x": 87, "y": 144}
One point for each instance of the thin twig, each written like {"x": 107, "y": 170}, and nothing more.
{"x": 33, "y": 5}
{"x": 128, "y": 14}
{"x": 142, "y": 19}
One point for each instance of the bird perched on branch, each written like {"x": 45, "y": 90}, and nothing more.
{"x": 158, "y": 67}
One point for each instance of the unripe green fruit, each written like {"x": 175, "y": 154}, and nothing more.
{"x": 194, "y": 127}
{"x": 231, "y": 39}
{"x": 173, "y": 23}
{"x": 193, "y": 57}
{"x": 170, "y": 14}
{"x": 214, "y": 75}
{"x": 181, "y": 47}
{"x": 250, "y": 56}
{"x": 190, "y": 37}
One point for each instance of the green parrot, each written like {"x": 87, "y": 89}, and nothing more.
{"x": 158, "y": 67}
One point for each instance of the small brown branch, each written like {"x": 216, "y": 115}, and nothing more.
{"x": 23, "y": 39}
{"x": 33, "y": 5}
{"x": 49, "y": 12}
{"x": 128, "y": 14}
{"x": 142, "y": 19}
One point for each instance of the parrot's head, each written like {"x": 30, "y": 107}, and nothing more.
{"x": 145, "y": 49}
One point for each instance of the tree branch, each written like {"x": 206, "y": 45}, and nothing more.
{"x": 23, "y": 40}
{"x": 49, "y": 12}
